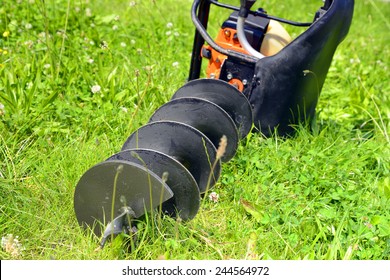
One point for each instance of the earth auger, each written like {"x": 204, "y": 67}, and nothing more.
{"x": 168, "y": 162}
{"x": 257, "y": 78}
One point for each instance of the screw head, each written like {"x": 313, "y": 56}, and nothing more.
{"x": 229, "y": 76}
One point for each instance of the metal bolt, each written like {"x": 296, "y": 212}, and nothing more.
{"x": 245, "y": 82}
{"x": 229, "y": 76}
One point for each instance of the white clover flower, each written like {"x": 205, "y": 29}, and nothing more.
{"x": 46, "y": 66}
{"x": 116, "y": 18}
{"x": 354, "y": 60}
{"x": 124, "y": 109}
{"x": 115, "y": 27}
{"x": 381, "y": 63}
{"x": 176, "y": 34}
{"x": 132, "y": 42}
{"x": 61, "y": 33}
{"x": 169, "y": 25}
{"x": 28, "y": 26}
{"x": 90, "y": 60}
{"x": 88, "y": 12}
{"x": 95, "y": 89}
{"x": 29, "y": 43}
{"x": 77, "y": 9}
{"x": 104, "y": 45}
{"x": 123, "y": 45}
{"x": 214, "y": 197}
{"x": 168, "y": 33}
{"x": 132, "y": 3}
{"x": 92, "y": 25}
{"x": 175, "y": 64}
{"x": 12, "y": 245}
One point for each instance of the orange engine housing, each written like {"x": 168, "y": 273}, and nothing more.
{"x": 226, "y": 38}
{"x": 275, "y": 38}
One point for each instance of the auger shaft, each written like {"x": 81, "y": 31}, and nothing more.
{"x": 167, "y": 163}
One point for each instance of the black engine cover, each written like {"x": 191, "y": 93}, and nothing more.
{"x": 286, "y": 86}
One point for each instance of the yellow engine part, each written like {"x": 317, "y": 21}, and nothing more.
{"x": 275, "y": 39}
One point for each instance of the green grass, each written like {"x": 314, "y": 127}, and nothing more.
{"x": 319, "y": 195}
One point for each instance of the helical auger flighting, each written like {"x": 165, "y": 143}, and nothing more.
{"x": 168, "y": 163}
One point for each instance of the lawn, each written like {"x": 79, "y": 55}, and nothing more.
{"x": 78, "y": 77}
